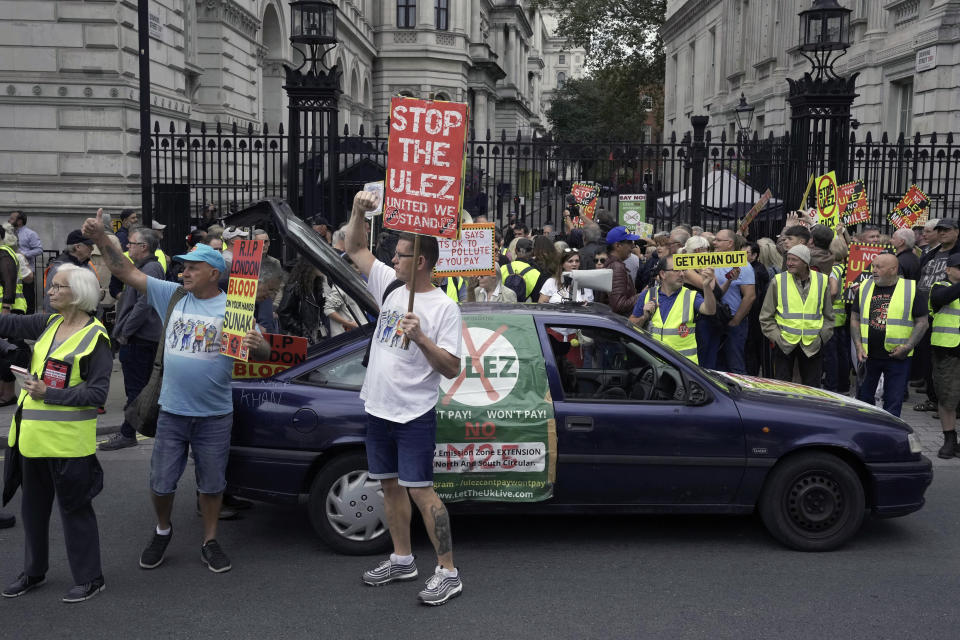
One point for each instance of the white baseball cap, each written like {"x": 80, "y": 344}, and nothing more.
{"x": 157, "y": 226}
{"x": 233, "y": 232}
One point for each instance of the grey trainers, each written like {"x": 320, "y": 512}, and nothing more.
{"x": 117, "y": 441}
{"x": 389, "y": 571}
{"x": 440, "y": 588}
{"x": 83, "y": 592}
{"x": 213, "y": 556}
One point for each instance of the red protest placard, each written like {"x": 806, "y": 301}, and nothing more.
{"x": 238, "y": 316}
{"x": 586, "y": 196}
{"x": 852, "y": 201}
{"x": 285, "y": 351}
{"x": 858, "y": 264}
{"x": 911, "y": 210}
{"x": 423, "y": 192}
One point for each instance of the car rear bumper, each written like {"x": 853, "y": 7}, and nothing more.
{"x": 899, "y": 486}
{"x": 278, "y": 475}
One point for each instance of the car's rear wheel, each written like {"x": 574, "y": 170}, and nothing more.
{"x": 813, "y": 502}
{"x": 346, "y": 507}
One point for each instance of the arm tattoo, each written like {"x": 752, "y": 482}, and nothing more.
{"x": 441, "y": 529}
{"x": 114, "y": 258}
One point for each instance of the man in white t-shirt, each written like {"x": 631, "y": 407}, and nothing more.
{"x": 400, "y": 392}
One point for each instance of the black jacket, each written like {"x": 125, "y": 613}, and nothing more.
{"x": 301, "y": 312}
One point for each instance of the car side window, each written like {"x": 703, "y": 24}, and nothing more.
{"x": 602, "y": 364}
{"x": 346, "y": 372}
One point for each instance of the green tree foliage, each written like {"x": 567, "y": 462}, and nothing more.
{"x": 625, "y": 55}
{"x": 615, "y": 33}
{"x": 602, "y": 107}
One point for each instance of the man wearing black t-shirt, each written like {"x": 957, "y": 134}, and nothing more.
{"x": 890, "y": 320}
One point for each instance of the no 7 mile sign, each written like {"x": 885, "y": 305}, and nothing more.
{"x": 423, "y": 192}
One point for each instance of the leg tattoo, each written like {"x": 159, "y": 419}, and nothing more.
{"x": 441, "y": 529}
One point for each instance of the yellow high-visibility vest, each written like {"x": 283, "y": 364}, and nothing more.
{"x": 945, "y": 329}
{"x": 679, "y": 329}
{"x": 800, "y": 320}
{"x": 19, "y": 302}
{"x": 51, "y": 430}
{"x": 899, "y": 314}
{"x": 529, "y": 278}
{"x": 839, "y": 305}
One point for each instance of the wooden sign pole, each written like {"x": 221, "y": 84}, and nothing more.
{"x": 412, "y": 283}
{"x": 806, "y": 192}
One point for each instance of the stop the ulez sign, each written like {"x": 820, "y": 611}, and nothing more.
{"x": 423, "y": 191}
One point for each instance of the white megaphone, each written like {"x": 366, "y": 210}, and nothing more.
{"x": 596, "y": 279}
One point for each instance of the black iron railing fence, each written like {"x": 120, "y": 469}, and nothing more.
{"x": 231, "y": 167}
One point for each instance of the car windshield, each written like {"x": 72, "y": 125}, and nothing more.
{"x": 718, "y": 379}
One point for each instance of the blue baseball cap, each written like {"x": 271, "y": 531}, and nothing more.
{"x": 205, "y": 253}
{"x": 620, "y": 234}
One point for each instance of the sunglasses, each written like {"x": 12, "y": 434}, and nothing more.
{"x": 601, "y": 260}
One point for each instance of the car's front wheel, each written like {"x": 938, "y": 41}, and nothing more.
{"x": 813, "y": 502}
{"x": 346, "y": 507}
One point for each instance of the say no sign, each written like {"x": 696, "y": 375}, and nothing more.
{"x": 423, "y": 190}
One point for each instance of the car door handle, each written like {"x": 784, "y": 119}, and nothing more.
{"x": 579, "y": 423}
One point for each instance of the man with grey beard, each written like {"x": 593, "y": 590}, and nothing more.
{"x": 886, "y": 324}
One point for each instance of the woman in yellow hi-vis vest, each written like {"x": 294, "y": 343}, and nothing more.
{"x": 52, "y": 439}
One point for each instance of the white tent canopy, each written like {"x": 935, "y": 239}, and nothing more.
{"x": 723, "y": 195}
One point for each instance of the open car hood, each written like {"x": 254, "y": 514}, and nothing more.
{"x": 308, "y": 244}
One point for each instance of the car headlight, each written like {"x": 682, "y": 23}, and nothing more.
{"x": 914, "y": 443}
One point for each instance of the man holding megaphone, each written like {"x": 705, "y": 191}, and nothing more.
{"x": 669, "y": 310}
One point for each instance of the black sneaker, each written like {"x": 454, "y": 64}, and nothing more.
{"x": 152, "y": 556}
{"x": 7, "y": 520}
{"x": 83, "y": 592}
{"x": 22, "y": 584}
{"x": 213, "y": 556}
{"x": 117, "y": 441}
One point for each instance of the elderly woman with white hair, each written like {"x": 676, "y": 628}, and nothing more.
{"x": 52, "y": 441}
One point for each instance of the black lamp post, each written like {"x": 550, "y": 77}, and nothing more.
{"x": 820, "y": 101}
{"x": 744, "y": 113}
{"x": 313, "y": 94}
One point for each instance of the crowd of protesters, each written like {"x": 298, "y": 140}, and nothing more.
{"x": 784, "y": 314}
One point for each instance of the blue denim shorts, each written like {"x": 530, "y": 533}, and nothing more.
{"x": 402, "y": 450}
{"x": 208, "y": 436}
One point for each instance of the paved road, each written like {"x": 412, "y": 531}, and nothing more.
{"x": 584, "y": 577}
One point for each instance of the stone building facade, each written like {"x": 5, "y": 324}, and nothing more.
{"x": 907, "y": 53}
{"x": 69, "y": 92}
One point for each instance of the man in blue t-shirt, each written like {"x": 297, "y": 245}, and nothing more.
{"x": 195, "y": 398}
{"x": 738, "y": 285}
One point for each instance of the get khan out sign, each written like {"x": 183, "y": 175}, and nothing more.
{"x": 423, "y": 192}
{"x": 473, "y": 254}
{"x": 238, "y": 318}
{"x": 716, "y": 259}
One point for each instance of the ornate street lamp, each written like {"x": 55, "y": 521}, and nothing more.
{"x": 821, "y": 100}
{"x": 744, "y": 113}
{"x": 824, "y": 29}
{"x": 313, "y": 94}
{"x": 313, "y": 23}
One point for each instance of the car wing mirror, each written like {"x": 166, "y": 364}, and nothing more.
{"x": 696, "y": 395}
